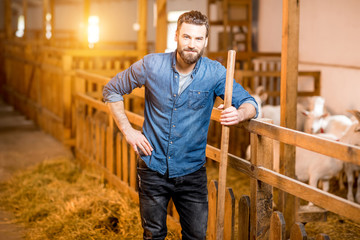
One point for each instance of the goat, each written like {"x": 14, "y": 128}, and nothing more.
{"x": 352, "y": 136}
{"x": 318, "y": 120}
{"x": 273, "y": 112}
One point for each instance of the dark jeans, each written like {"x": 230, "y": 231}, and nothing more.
{"x": 189, "y": 194}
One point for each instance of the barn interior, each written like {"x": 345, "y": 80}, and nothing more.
{"x": 56, "y": 56}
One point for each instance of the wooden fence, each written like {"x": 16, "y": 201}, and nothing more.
{"x": 40, "y": 80}
{"x": 267, "y": 75}
{"x": 99, "y": 142}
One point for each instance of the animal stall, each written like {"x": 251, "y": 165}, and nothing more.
{"x": 40, "y": 80}
{"x": 265, "y": 76}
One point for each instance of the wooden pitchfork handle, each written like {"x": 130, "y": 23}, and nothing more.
{"x": 225, "y": 131}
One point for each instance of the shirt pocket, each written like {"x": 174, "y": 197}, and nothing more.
{"x": 198, "y": 99}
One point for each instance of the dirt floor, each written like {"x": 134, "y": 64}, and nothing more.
{"x": 22, "y": 145}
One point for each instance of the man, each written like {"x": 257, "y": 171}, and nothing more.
{"x": 180, "y": 90}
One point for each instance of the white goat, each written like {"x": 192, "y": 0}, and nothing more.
{"x": 311, "y": 166}
{"x": 352, "y": 137}
{"x": 273, "y": 112}
{"x": 318, "y": 120}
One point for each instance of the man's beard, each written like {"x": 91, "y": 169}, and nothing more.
{"x": 189, "y": 58}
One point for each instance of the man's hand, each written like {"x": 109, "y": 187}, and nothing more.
{"x": 232, "y": 116}
{"x": 134, "y": 137}
{"x": 138, "y": 141}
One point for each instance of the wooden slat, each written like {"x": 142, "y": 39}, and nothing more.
{"x": 110, "y": 149}
{"x": 124, "y": 161}
{"x": 229, "y": 221}
{"x": 244, "y": 218}
{"x": 132, "y": 174}
{"x": 277, "y": 226}
{"x": 87, "y": 136}
{"x": 118, "y": 156}
{"x": 322, "y": 236}
{"x": 103, "y": 145}
{"x": 213, "y": 193}
{"x": 298, "y": 232}
{"x": 98, "y": 142}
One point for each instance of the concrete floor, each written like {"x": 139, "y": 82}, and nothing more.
{"x": 22, "y": 144}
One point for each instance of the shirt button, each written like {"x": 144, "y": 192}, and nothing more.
{"x": 170, "y": 142}
{"x": 175, "y": 76}
{"x": 198, "y": 92}
{"x": 175, "y": 109}
{"x": 174, "y": 95}
{"x": 173, "y": 125}
{"x": 169, "y": 157}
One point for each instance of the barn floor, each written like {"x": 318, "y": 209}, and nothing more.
{"x": 21, "y": 146}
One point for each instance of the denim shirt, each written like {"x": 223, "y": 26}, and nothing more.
{"x": 175, "y": 125}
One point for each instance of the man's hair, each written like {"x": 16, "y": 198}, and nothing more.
{"x": 193, "y": 17}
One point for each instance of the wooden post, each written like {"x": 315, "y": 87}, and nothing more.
{"x": 7, "y": 19}
{"x": 142, "y": 19}
{"x": 225, "y": 8}
{"x": 45, "y": 11}
{"x": 213, "y": 192}
{"x": 244, "y": 218}
{"x": 161, "y": 26}
{"x": 224, "y": 147}
{"x": 249, "y": 28}
{"x": 66, "y": 96}
{"x": 86, "y": 20}
{"x": 25, "y": 8}
{"x": 52, "y": 21}
{"x": 288, "y": 99}
{"x": 277, "y": 227}
{"x": 261, "y": 193}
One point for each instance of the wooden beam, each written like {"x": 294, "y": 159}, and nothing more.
{"x": 25, "y": 8}
{"x": 161, "y": 26}
{"x": 288, "y": 100}
{"x": 45, "y": 11}
{"x": 142, "y": 20}
{"x": 260, "y": 193}
{"x": 52, "y": 21}
{"x": 7, "y": 19}
{"x": 86, "y": 20}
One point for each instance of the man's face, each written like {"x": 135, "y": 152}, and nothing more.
{"x": 191, "y": 41}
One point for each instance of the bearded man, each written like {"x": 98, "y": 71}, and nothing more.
{"x": 180, "y": 91}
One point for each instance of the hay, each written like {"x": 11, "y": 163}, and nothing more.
{"x": 58, "y": 200}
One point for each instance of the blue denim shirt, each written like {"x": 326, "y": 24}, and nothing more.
{"x": 175, "y": 125}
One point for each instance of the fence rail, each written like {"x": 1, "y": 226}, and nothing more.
{"x": 67, "y": 103}
{"x": 257, "y": 170}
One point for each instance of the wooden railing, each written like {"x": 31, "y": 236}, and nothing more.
{"x": 43, "y": 85}
{"x": 99, "y": 142}
{"x": 40, "y": 80}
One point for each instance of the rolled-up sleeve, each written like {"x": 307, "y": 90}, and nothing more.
{"x": 239, "y": 96}
{"x": 124, "y": 82}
